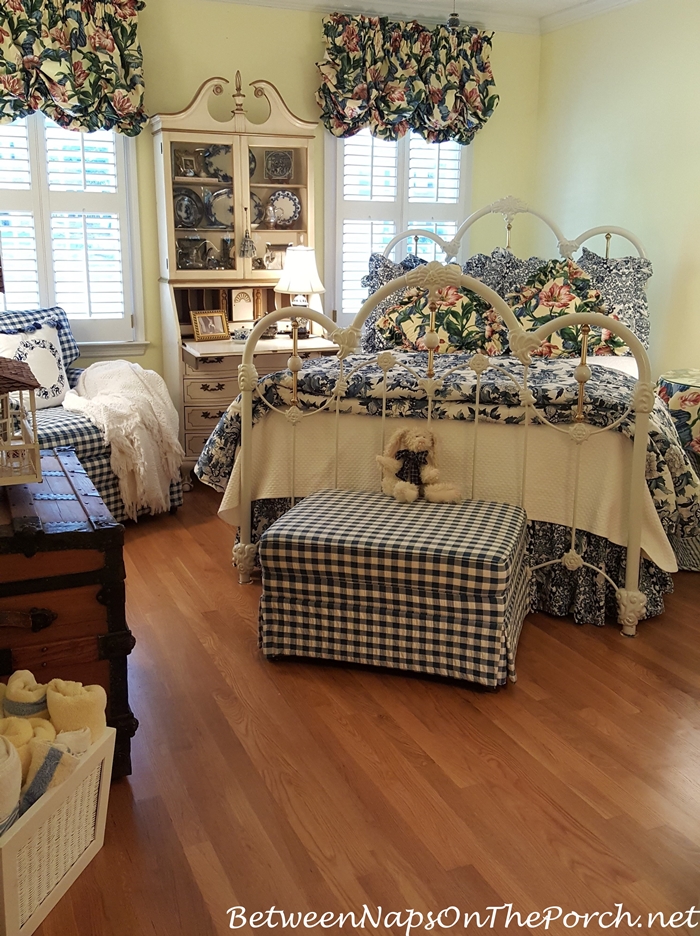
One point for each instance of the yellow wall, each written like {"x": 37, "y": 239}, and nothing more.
{"x": 186, "y": 41}
{"x": 504, "y": 150}
{"x": 619, "y": 138}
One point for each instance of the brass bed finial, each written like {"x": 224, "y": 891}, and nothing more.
{"x": 294, "y": 358}
{"x": 431, "y": 339}
{"x": 608, "y": 238}
{"x": 509, "y": 228}
{"x": 415, "y": 243}
{"x": 584, "y": 374}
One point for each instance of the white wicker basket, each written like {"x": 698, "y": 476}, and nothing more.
{"x": 45, "y": 851}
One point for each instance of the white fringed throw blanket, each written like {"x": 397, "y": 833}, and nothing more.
{"x": 132, "y": 408}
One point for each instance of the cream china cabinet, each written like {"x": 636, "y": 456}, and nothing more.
{"x": 208, "y": 172}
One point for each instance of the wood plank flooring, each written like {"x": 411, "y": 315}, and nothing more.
{"x": 314, "y": 788}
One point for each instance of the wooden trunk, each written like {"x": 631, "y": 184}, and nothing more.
{"x": 62, "y": 607}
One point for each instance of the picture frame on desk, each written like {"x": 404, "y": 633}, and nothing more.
{"x": 210, "y": 325}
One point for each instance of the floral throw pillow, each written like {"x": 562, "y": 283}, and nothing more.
{"x": 463, "y": 322}
{"x": 558, "y": 288}
{"x": 382, "y": 270}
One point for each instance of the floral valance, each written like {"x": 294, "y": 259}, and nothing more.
{"x": 77, "y": 61}
{"x": 395, "y": 77}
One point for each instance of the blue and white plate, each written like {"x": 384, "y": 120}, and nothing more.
{"x": 279, "y": 165}
{"x": 257, "y": 211}
{"x": 287, "y": 207}
{"x": 252, "y": 162}
{"x": 219, "y": 208}
{"x": 187, "y": 207}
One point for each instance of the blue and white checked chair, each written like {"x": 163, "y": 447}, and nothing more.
{"x": 56, "y": 426}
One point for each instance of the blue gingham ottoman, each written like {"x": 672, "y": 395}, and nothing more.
{"x": 431, "y": 588}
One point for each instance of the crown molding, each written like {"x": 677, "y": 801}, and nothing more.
{"x": 409, "y": 9}
{"x": 580, "y": 12}
{"x": 484, "y": 19}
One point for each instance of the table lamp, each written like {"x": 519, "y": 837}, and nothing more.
{"x": 300, "y": 279}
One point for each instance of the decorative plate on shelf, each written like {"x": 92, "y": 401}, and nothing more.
{"x": 187, "y": 207}
{"x": 279, "y": 165}
{"x": 257, "y": 211}
{"x": 219, "y": 208}
{"x": 287, "y": 207}
{"x": 217, "y": 159}
{"x": 252, "y": 162}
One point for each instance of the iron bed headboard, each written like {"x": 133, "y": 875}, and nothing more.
{"x": 431, "y": 277}
{"x": 509, "y": 207}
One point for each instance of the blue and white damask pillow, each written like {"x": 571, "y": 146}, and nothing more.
{"x": 41, "y": 350}
{"x": 502, "y": 270}
{"x": 27, "y": 321}
{"x": 622, "y": 282}
{"x": 381, "y": 271}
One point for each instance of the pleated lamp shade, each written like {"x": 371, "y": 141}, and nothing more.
{"x": 300, "y": 273}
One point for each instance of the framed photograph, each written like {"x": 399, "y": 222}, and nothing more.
{"x": 185, "y": 164}
{"x": 210, "y": 325}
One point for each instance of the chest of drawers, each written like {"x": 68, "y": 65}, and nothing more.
{"x": 210, "y": 382}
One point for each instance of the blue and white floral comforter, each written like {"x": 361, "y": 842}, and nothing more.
{"x": 672, "y": 482}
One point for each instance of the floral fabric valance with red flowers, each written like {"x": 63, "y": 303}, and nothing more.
{"x": 395, "y": 77}
{"x": 77, "y": 61}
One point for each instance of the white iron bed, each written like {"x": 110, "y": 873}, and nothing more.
{"x": 489, "y": 461}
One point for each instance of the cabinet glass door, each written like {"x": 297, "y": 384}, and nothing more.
{"x": 203, "y": 199}
{"x": 278, "y": 199}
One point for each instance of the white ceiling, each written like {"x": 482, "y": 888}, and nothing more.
{"x": 524, "y": 16}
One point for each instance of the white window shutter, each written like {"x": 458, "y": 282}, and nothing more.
{"x": 19, "y": 261}
{"x": 360, "y": 239}
{"x": 15, "y": 170}
{"x": 80, "y": 162}
{"x": 370, "y": 168}
{"x": 87, "y": 265}
{"x": 433, "y": 171}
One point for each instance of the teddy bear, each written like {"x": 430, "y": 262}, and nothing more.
{"x": 409, "y": 468}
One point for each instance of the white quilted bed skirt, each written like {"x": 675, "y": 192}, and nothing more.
{"x": 605, "y": 468}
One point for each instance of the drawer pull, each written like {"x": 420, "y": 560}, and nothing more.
{"x": 211, "y": 360}
{"x": 35, "y": 619}
{"x": 206, "y": 414}
{"x": 209, "y": 389}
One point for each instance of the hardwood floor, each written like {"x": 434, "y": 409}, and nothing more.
{"x": 315, "y": 788}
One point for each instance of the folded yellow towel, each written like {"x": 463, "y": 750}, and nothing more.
{"x": 73, "y": 706}
{"x": 10, "y": 784}
{"x": 49, "y": 767}
{"x": 17, "y": 730}
{"x": 20, "y": 731}
{"x": 75, "y": 742}
{"x": 25, "y": 697}
{"x": 43, "y": 730}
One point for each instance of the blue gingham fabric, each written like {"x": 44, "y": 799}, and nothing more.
{"x": 57, "y": 426}
{"x": 431, "y": 588}
{"x": 73, "y": 375}
{"x": 28, "y": 321}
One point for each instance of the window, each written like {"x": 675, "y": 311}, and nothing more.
{"x": 65, "y": 234}
{"x": 378, "y": 188}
